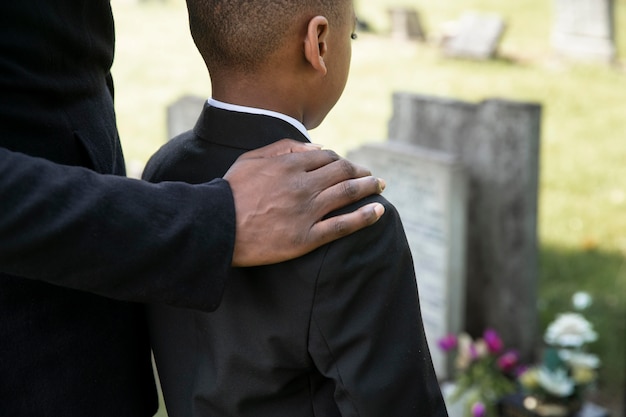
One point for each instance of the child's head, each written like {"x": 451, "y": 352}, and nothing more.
{"x": 293, "y": 55}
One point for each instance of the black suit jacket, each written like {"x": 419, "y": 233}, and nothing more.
{"x": 335, "y": 332}
{"x": 65, "y": 228}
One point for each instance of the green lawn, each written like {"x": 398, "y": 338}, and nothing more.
{"x": 582, "y": 225}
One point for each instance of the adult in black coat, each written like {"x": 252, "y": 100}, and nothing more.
{"x": 79, "y": 244}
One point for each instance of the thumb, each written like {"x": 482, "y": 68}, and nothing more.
{"x": 281, "y": 147}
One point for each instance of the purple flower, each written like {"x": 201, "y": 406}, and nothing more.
{"x": 473, "y": 351}
{"x": 520, "y": 370}
{"x": 508, "y": 361}
{"x": 494, "y": 343}
{"x": 479, "y": 409}
{"x": 447, "y": 343}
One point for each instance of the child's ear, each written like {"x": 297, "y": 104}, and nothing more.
{"x": 315, "y": 44}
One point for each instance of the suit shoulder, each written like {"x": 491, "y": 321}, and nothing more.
{"x": 168, "y": 155}
{"x": 387, "y": 231}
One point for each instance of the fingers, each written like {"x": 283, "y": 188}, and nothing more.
{"x": 312, "y": 159}
{"x": 347, "y": 192}
{"x": 307, "y": 156}
{"x": 329, "y": 167}
{"x": 336, "y": 172}
{"x": 282, "y": 147}
{"x": 327, "y": 230}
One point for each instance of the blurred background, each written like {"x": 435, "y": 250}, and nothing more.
{"x": 582, "y": 188}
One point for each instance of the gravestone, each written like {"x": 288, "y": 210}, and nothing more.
{"x": 428, "y": 189}
{"x": 476, "y": 36}
{"x": 584, "y": 29}
{"x": 498, "y": 144}
{"x": 406, "y": 24}
{"x": 182, "y": 114}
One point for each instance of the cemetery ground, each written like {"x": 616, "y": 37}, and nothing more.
{"x": 582, "y": 200}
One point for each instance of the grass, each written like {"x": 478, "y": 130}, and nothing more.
{"x": 582, "y": 226}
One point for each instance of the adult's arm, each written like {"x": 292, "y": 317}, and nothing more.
{"x": 366, "y": 330}
{"x": 125, "y": 238}
{"x": 114, "y": 236}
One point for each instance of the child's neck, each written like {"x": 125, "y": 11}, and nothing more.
{"x": 261, "y": 94}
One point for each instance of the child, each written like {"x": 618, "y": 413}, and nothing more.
{"x": 337, "y": 332}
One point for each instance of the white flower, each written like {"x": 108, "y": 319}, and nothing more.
{"x": 581, "y": 300}
{"x": 570, "y": 329}
{"x": 556, "y": 383}
{"x": 579, "y": 359}
{"x": 465, "y": 348}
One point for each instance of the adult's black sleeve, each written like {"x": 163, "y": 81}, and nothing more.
{"x": 122, "y": 238}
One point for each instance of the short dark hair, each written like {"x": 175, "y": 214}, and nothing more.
{"x": 241, "y": 34}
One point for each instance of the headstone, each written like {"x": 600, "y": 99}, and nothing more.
{"x": 183, "y": 114}
{"x": 498, "y": 144}
{"x": 584, "y": 29}
{"x": 428, "y": 189}
{"x": 476, "y": 36}
{"x": 406, "y": 24}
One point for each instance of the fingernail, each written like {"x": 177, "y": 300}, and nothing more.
{"x": 379, "y": 209}
{"x": 381, "y": 184}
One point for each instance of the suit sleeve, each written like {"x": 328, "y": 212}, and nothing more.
{"x": 126, "y": 239}
{"x": 366, "y": 329}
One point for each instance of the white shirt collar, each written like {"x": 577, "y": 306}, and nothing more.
{"x": 253, "y": 110}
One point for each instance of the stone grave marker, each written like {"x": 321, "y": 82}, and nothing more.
{"x": 584, "y": 29}
{"x": 183, "y": 114}
{"x": 476, "y": 36}
{"x": 406, "y": 24}
{"x": 428, "y": 189}
{"x": 498, "y": 144}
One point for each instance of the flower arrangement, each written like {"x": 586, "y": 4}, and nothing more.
{"x": 485, "y": 371}
{"x": 567, "y": 369}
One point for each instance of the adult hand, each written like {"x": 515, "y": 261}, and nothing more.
{"x": 283, "y": 191}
